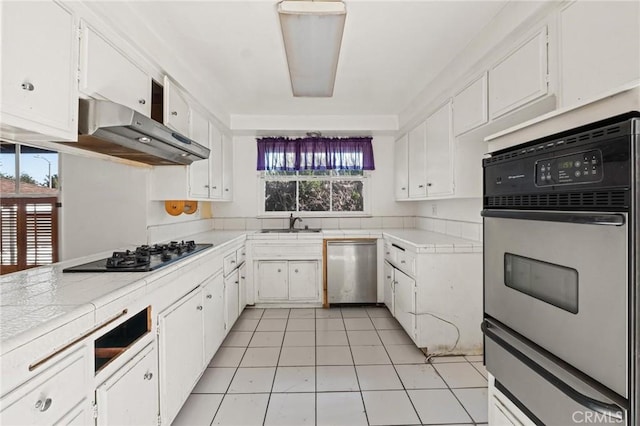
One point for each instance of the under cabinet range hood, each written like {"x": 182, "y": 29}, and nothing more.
{"x": 120, "y": 131}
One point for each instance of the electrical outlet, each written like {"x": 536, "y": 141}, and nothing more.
{"x": 434, "y": 209}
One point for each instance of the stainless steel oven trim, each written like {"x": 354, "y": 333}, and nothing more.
{"x": 634, "y": 274}
{"x": 510, "y": 344}
{"x": 564, "y": 217}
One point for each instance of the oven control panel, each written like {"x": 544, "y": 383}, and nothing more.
{"x": 583, "y": 167}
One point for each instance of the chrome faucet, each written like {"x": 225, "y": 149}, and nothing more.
{"x": 293, "y": 220}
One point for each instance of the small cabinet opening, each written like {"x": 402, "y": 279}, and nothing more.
{"x": 157, "y": 102}
{"x": 115, "y": 342}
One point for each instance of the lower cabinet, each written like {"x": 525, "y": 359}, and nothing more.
{"x": 181, "y": 352}
{"x": 231, "y": 299}
{"x": 284, "y": 281}
{"x": 56, "y": 395}
{"x": 214, "y": 320}
{"x": 242, "y": 288}
{"x": 389, "y": 281}
{"x": 503, "y": 412}
{"x": 130, "y": 396}
{"x": 404, "y": 302}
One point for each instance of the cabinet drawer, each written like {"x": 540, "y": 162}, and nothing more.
{"x": 389, "y": 253}
{"x": 230, "y": 262}
{"x": 241, "y": 255}
{"x": 288, "y": 251}
{"x": 406, "y": 262}
{"x": 49, "y": 396}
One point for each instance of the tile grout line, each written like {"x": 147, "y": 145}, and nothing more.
{"x": 264, "y": 419}
{"x": 355, "y": 370}
{"x": 452, "y": 392}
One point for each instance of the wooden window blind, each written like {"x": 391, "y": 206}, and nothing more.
{"x": 28, "y": 233}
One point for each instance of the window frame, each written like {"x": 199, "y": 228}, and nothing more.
{"x": 263, "y": 177}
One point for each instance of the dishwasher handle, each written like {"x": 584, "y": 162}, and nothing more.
{"x": 351, "y": 242}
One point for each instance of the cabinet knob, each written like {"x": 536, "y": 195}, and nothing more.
{"x": 233, "y": 261}
{"x": 27, "y": 86}
{"x": 206, "y": 186}
{"x": 420, "y": 186}
{"x": 237, "y": 282}
{"x": 404, "y": 188}
{"x": 174, "y": 113}
{"x": 242, "y": 277}
{"x": 199, "y": 307}
{"x": 279, "y": 270}
{"x": 403, "y": 262}
{"x": 388, "y": 277}
{"x": 215, "y": 187}
{"x": 429, "y": 184}
{"x": 142, "y": 101}
{"x": 296, "y": 271}
{"x": 43, "y": 406}
{"x": 226, "y": 189}
{"x": 209, "y": 296}
{"x": 148, "y": 375}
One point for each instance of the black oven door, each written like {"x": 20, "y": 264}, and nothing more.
{"x": 560, "y": 280}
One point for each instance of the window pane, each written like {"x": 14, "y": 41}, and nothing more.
{"x": 7, "y": 168}
{"x": 347, "y": 196}
{"x": 314, "y": 196}
{"x": 38, "y": 171}
{"x": 280, "y": 196}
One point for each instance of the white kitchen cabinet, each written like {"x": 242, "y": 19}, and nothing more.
{"x": 231, "y": 299}
{"x": 439, "y": 162}
{"x": 175, "y": 107}
{"x": 273, "y": 280}
{"x": 181, "y": 352}
{"x": 48, "y": 397}
{"x": 405, "y": 302}
{"x": 389, "y": 281}
{"x": 130, "y": 395}
{"x": 216, "y": 163}
{"x": 39, "y": 43}
{"x": 520, "y": 77}
{"x": 227, "y": 168}
{"x": 470, "y": 106}
{"x": 503, "y": 412}
{"x": 242, "y": 288}
{"x": 417, "y": 157}
{"x": 599, "y": 48}
{"x": 401, "y": 168}
{"x": 303, "y": 278}
{"x": 213, "y": 315}
{"x": 199, "y": 185}
{"x": 106, "y": 73}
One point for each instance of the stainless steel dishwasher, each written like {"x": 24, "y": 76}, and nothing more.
{"x": 352, "y": 271}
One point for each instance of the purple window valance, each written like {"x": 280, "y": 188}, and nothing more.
{"x": 316, "y": 153}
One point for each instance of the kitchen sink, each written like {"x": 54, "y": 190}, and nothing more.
{"x": 289, "y": 231}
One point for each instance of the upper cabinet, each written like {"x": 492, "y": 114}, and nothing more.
{"x": 520, "y": 77}
{"x": 39, "y": 88}
{"x": 400, "y": 168}
{"x": 417, "y": 157}
{"x": 470, "y": 106}
{"x": 176, "y": 108}
{"x": 599, "y": 48}
{"x": 227, "y": 167}
{"x": 199, "y": 170}
{"x": 439, "y": 164}
{"x": 105, "y": 73}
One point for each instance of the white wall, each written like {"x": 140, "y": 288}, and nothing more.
{"x": 246, "y": 189}
{"x": 463, "y": 209}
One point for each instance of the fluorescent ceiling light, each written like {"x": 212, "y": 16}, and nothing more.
{"x": 312, "y": 33}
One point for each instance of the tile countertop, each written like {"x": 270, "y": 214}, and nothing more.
{"x": 39, "y": 300}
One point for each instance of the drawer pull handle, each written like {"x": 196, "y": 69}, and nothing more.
{"x": 142, "y": 101}
{"x": 199, "y": 307}
{"x": 237, "y": 282}
{"x": 402, "y": 261}
{"x": 148, "y": 375}
{"x": 28, "y": 86}
{"x": 421, "y": 186}
{"x": 209, "y": 296}
{"x": 233, "y": 261}
{"x": 43, "y": 406}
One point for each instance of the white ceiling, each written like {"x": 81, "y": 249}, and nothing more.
{"x": 391, "y": 50}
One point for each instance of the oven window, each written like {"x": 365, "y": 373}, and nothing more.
{"x": 554, "y": 284}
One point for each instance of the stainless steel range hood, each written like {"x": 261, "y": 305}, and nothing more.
{"x": 120, "y": 131}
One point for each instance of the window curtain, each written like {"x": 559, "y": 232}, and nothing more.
{"x": 318, "y": 153}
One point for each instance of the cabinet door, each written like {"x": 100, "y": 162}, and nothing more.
{"x": 176, "y": 108}
{"x": 242, "y": 289}
{"x": 272, "y": 280}
{"x": 199, "y": 170}
{"x": 130, "y": 396}
{"x": 439, "y": 162}
{"x": 231, "y": 286}
{"x": 216, "y": 164}
{"x": 107, "y": 73}
{"x": 38, "y": 71}
{"x": 303, "y": 280}
{"x": 181, "y": 345}
{"x": 227, "y": 168}
{"x": 213, "y": 302}
{"x": 401, "y": 168}
{"x": 599, "y": 48}
{"x": 388, "y": 286}
{"x": 405, "y": 302}
{"x": 519, "y": 78}
{"x": 499, "y": 415}
{"x": 417, "y": 158}
{"x": 470, "y": 106}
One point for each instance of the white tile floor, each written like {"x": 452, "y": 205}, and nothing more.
{"x": 349, "y": 366}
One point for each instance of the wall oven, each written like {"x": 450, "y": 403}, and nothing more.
{"x": 560, "y": 280}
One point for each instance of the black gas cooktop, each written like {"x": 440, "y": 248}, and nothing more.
{"x": 142, "y": 259}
